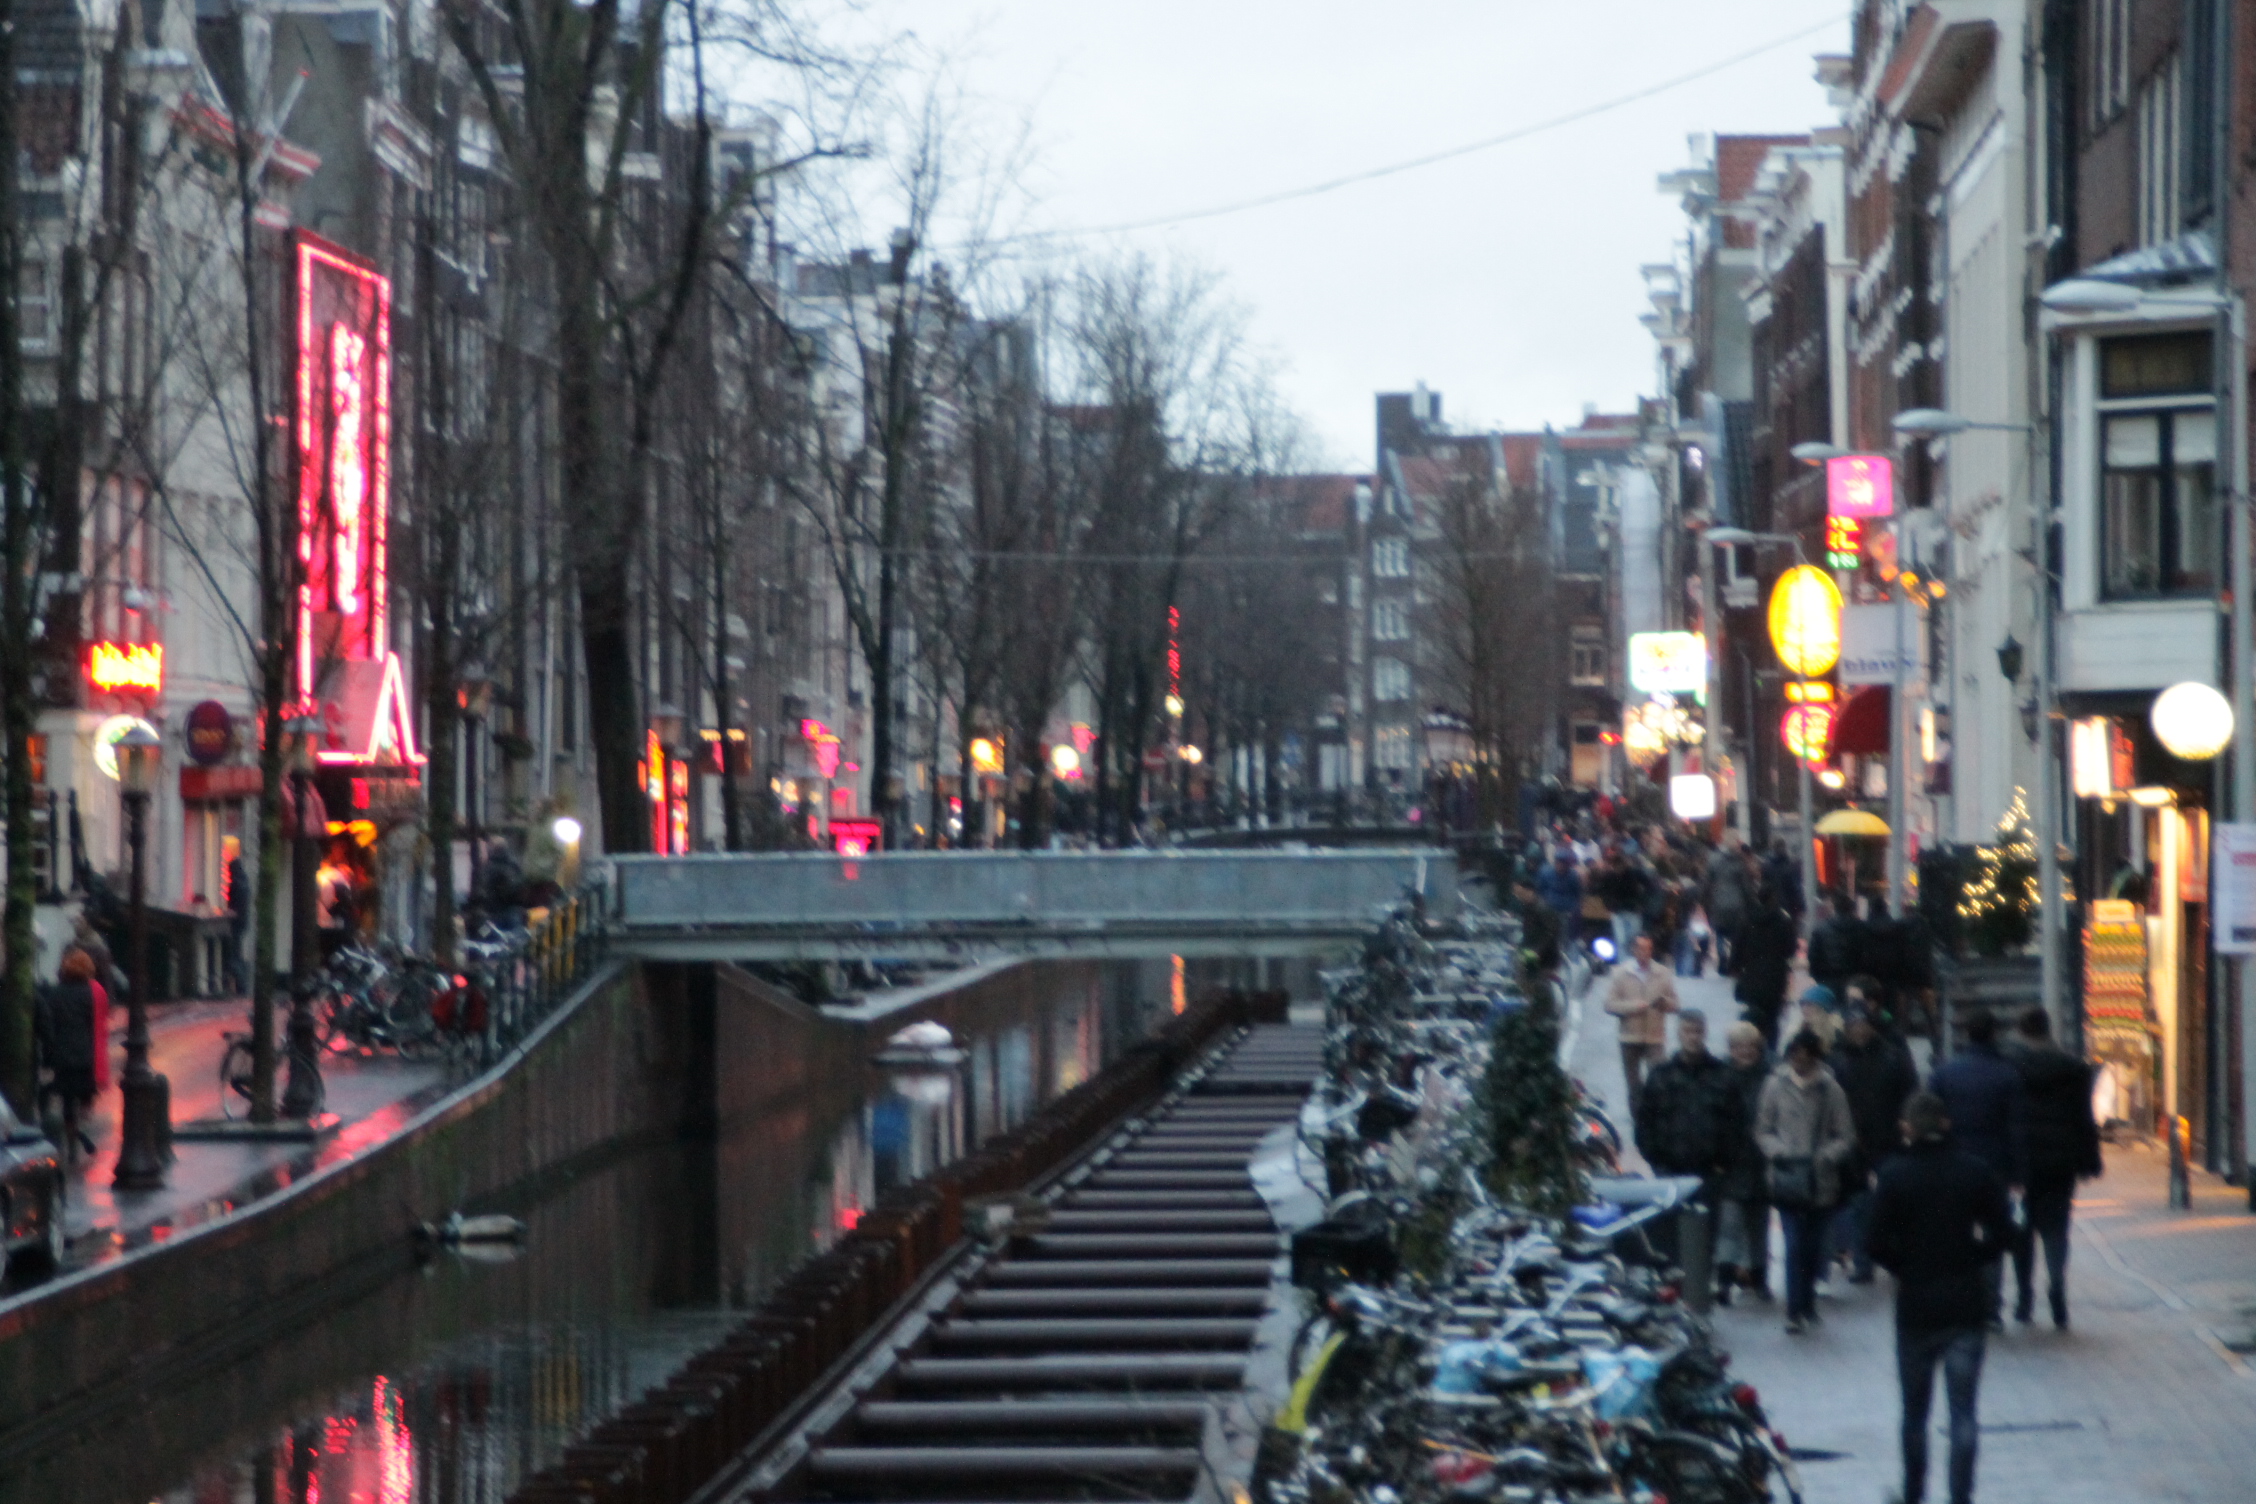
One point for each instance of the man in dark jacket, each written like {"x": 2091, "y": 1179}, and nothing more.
{"x": 1982, "y": 1093}
{"x": 1837, "y": 942}
{"x": 1560, "y": 887}
{"x": 2063, "y": 1147}
{"x": 1879, "y": 1077}
{"x": 1938, "y": 1220}
{"x": 1764, "y": 954}
{"x": 1539, "y": 928}
{"x": 1688, "y": 1114}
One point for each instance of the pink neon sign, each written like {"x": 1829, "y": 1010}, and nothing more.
{"x": 343, "y": 438}
{"x": 1860, "y": 485}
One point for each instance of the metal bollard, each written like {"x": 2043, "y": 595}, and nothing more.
{"x": 1695, "y": 1254}
{"x": 2181, "y": 1185}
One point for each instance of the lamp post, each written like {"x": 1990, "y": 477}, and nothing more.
{"x": 302, "y": 1097}
{"x": 146, "y": 1097}
{"x": 1732, "y": 537}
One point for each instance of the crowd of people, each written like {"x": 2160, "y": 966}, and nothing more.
{"x": 1816, "y": 1114}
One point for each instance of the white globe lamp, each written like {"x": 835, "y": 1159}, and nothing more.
{"x": 2192, "y": 721}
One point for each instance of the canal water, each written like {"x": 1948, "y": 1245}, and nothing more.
{"x": 452, "y": 1379}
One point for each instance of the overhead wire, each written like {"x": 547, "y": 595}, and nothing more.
{"x": 1430, "y": 159}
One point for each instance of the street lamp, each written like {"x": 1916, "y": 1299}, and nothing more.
{"x": 146, "y": 1097}
{"x": 1817, "y": 452}
{"x": 302, "y": 1097}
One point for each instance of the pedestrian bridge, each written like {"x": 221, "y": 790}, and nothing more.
{"x": 957, "y": 904}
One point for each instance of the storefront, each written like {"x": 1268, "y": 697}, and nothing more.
{"x": 2142, "y": 865}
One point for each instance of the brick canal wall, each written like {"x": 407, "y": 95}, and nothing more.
{"x": 642, "y": 1055}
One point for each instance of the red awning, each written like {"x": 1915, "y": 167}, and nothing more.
{"x": 1862, "y": 726}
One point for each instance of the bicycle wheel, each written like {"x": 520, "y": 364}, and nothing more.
{"x": 235, "y": 1078}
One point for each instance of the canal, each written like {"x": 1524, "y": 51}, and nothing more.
{"x": 447, "y": 1377}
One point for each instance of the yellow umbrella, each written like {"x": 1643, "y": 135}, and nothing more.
{"x": 1852, "y": 822}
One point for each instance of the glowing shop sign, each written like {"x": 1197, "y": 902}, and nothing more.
{"x": 1844, "y": 542}
{"x": 348, "y": 464}
{"x": 1665, "y": 663}
{"x": 1805, "y": 621}
{"x": 1806, "y": 730}
{"x": 1860, "y": 485}
{"x": 126, "y": 665}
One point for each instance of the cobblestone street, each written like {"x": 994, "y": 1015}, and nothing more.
{"x": 2144, "y": 1399}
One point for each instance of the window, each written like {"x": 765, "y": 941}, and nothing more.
{"x": 2161, "y": 175}
{"x": 1390, "y": 558}
{"x": 1390, "y": 679}
{"x": 2111, "y": 59}
{"x": 1390, "y": 621}
{"x": 35, "y": 306}
{"x": 1586, "y": 656}
{"x": 2161, "y": 528}
{"x": 1391, "y": 746}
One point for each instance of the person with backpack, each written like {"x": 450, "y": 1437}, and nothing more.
{"x": 1987, "y": 1105}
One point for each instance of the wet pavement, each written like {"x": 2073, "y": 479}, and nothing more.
{"x": 2150, "y": 1396}
{"x": 372, "y": 1096}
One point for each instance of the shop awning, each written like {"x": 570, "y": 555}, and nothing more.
{"x": 1862, "y": 726}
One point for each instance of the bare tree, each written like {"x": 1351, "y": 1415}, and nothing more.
{"x": 1182, "y": 425}
{"x": 577, "y": 96}
{"x": 1495, "y": 636}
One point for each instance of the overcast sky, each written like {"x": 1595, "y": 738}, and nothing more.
{"x": 1505, "y": 279}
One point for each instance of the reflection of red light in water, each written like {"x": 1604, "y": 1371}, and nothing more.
{"x": 395, "y": 1444}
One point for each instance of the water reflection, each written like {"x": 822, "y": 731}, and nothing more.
{"x": 453, "y": 1382}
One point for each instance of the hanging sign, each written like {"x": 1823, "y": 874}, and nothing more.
{"x": 2232, "y": 890}
{"x": 1668, "y": 663}
{"x": 1860, "y": 485}
{"x": 211, "y": 733}
{"x": 126, "y": 665}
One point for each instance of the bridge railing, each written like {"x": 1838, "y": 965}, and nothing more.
{"x": 1052, "y": 889}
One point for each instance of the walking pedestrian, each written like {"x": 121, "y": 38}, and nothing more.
{"x": 1983, "y": 1097}
{"x": 238, "y": 926}
{"x": 1837, "y": 941}
{"x": 1624, "y": 884}
{"x": 1689, "y": 1116}
{"x": 1878, "y": 1077}
{"x": 1560, "y": 887}
{"x": 1742, "y": 1245}
{"x": 1728, "y": 896}
{"x": 1802, "y": 1127}
{"x": 1641, "y": 995}
{"x": 1539, "y": 929}
{"x": 72, "y": 1021}
{"x": 2062, "y": 1146}
{"x": 1938, "y": 1219}
{"x": 1764, "y": 953}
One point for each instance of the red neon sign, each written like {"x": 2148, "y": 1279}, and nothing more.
{"x": 343, "y": 434}
{"x": 126, "y": 665}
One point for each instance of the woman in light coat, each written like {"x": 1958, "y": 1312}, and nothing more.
{"x": 1805, "y": 1133}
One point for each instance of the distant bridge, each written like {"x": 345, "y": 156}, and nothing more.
{"x": 968, "y": 904}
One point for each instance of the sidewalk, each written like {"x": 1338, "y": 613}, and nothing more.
{"x": 371, "y": 1096}
{"x": 2144, "y": 1399}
